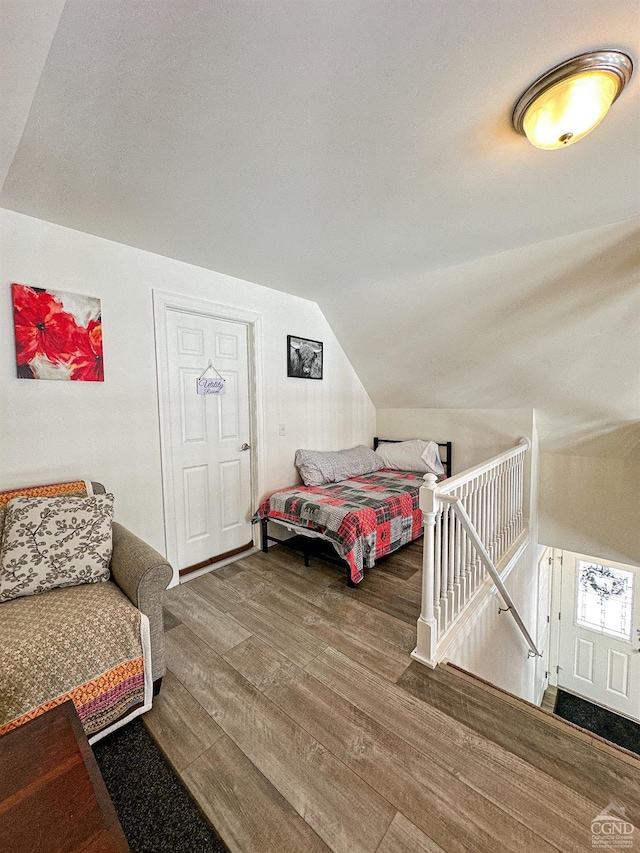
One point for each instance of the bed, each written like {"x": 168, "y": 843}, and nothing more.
{"x": 364, "y": 517}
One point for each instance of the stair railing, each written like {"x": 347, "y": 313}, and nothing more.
{"x": 473, "y": 523}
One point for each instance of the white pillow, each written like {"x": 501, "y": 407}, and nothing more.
{"x": 55, "y": 542}
{"x": 317, "y": 467}
{"x": 417, "y": 455}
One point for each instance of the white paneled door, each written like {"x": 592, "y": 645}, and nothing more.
{"x": 600, "y": 633}
{"x": 210, "y": 437}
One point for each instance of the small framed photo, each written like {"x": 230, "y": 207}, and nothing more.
{"x": 304, "y": 358}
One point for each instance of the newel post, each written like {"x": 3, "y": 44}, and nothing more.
{"x": 427, "y": 624}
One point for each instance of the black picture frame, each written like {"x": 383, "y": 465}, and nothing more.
{"x": 308, "y": 364}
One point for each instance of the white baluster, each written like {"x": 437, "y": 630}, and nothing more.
{"x": 437, "y": 574}
{"x": 465, "y": 550}
{"x": 496, "y": 532}
{"x": 520, "y": 492}
{"x": 475, "y": 508}
{"x": 486, "y": 508}
{"x": 454, "y": 574}
{"x": 503, "y": 510}
{"x": 444, "y": 588}
{"x": 512, "y": 502}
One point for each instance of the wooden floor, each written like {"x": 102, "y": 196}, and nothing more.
{"x": 294, "y": 715}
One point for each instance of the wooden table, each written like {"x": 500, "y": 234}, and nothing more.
{"x": 52, "y": 796}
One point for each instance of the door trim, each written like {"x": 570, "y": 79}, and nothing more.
{"x": 543, "y": 621}
{"x": 554, "y": 635}
{"x": 163, "y": 302}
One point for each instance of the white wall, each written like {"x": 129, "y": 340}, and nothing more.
{"x": 591, "y": 505}
{"x": 551, "y": 327}
{"x": 477, "y": 434}
{"x": 54, "y": 430}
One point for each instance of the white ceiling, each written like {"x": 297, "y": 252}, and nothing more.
{"x": 324, "y": 147}
{"x": 306, "y": 144}
{"x": 27, "y": 28}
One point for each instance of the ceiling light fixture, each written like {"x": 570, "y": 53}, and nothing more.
{"x": 567, "y": 102}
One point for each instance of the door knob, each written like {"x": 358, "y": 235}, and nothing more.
{"x": 245, "y": 446}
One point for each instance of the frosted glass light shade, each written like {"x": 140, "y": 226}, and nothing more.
{"x": 570, "y": 110}
{"x": 570, "y": 100}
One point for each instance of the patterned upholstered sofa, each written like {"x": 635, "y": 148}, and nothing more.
{"x": 99, "y": 644}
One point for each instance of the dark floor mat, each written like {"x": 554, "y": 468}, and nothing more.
{"x": 598, "y": 720}
{"x": 156, "y": 812}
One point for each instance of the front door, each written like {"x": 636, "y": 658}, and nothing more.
{"x": 210, "y": 437}
{"x": 600, "y": 633}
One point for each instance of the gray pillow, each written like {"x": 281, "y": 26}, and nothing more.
{"x": 55, "y": 542}
{"x": 317, "y": 467}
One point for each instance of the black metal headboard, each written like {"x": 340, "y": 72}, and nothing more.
{"x": 445, "y": 450}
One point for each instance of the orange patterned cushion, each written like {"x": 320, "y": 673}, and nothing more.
{"x": 50, "y": 491}
{"x": 77, "y": 488}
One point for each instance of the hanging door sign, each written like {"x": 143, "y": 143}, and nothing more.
{"x": 211, "y": 384}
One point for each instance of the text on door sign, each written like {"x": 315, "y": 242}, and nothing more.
{"x": 212, "y": 386}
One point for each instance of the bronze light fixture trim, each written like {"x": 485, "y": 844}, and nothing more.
{"x": 570, "y": 100}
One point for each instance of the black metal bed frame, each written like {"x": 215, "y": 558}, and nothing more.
{"x": 302, "y": 543}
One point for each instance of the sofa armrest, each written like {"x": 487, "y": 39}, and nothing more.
{"x": 142, "y": 574}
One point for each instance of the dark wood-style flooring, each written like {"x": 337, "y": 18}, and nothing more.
{"x": 294, "y": 715}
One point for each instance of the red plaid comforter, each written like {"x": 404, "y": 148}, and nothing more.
{"x": 363, "y": 517}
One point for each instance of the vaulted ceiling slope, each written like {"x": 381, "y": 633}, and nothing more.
{"x": 359, "y": 153}
{"x": 312, "y": 145}
{"x": 554, "y": 326}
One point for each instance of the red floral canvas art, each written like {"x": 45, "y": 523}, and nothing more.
{"x": 58, "y": 335}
